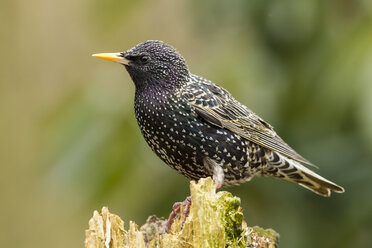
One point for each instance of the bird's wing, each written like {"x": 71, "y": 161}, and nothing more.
{"x": 216, "y": 106}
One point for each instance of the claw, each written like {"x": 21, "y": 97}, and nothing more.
{"x": 176, "y": 210}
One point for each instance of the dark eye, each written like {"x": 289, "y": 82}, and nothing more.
{"x": 144, "y": 59}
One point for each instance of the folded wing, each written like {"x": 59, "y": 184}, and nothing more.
{"x": 216, "y": 106}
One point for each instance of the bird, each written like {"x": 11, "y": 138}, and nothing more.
{"x": 199, "y": 129}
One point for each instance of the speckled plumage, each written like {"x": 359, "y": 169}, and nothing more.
{"x": 200, "y": 130}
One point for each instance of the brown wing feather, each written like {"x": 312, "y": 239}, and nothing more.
{"x": 215, "y": 105}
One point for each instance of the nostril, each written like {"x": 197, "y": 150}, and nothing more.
{"x": 129, "y": 57}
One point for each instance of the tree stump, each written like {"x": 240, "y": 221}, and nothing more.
{"x": 214, "y": 220}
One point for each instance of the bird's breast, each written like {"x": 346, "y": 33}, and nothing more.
{"x": 183, "y": 140}
{"x": 169, "y": 127}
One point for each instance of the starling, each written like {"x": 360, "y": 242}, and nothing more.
{"x": 200, "y": 130}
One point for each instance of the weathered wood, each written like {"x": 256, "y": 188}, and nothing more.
{"x": 215, "y": 220}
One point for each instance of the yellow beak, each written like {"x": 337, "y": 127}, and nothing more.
{"x": 116, "y": 57}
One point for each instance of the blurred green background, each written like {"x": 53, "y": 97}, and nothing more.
{"x": 70, "y": 143}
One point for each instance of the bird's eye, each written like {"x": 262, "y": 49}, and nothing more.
{"x": 144, "y": 59}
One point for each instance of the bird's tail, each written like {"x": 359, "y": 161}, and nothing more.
{"x": 284, "y": 168}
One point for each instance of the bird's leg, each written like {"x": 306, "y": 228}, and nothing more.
{"x": 218, "y": 178}
{"x": 186, "y": 209}
{"x": 215, "y": 168}
{"x": 176, "y": 210}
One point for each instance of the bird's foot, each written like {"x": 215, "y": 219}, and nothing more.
{"x": 176, "y": 209}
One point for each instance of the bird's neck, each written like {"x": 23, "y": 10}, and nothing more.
{"x": 158, "y": 89}
{"x": 156, "y": 93}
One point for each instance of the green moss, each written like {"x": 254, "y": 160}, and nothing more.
{"x": 231, "y": 218}
{"x": 268, "y": 233}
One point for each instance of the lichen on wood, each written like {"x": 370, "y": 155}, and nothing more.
{"x": 214, "y": 220}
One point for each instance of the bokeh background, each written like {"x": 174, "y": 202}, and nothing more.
{"x": 69, "y": 142}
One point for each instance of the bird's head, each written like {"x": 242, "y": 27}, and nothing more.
{"x": 151, "y": 62}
